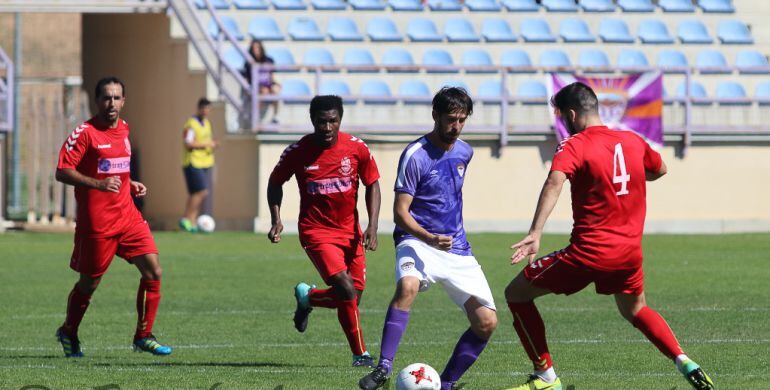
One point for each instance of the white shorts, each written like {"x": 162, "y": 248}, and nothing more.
{"x": 461, "y": 276}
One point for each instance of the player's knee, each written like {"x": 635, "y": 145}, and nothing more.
{"x": 406, "y": 292}
{"x": 485, "y": 326}
{"x": 513, "y": 293}
{"x": 87, "y": 285}
{"x": 344, "y": 287}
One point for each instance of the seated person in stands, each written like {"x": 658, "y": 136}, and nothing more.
{"x": 266, "y": 83}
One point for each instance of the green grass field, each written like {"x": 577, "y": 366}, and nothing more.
{"x": 227, "y": 308}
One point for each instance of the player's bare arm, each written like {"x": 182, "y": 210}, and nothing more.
{"x": 138, "y": 189}
{"x": 75, "y": 178}
{"x": 405, "y": 221}
{"x": 274, "y": 199}
{"x": 191, "y": 144}
{"x": 652, "y": 176}
{"x": 373, "y": 201}
{"x": 529, "y": 246}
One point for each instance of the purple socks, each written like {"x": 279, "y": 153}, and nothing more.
{"x": 467, "y": 350}
{"x": 395, "y": 325}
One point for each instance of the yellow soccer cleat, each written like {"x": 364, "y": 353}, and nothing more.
{"x": 535, "y": 383}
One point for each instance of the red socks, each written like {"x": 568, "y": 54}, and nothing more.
{"x": 531, "y": 330}
{"x": 656, "y": 329}
{"x": 323, "y": 298}
{"x": 147, "y": 300}
{"x": 347, "y": 313}
{"x": 77, "y": 304}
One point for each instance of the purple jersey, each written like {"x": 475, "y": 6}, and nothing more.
{"x": 434, "y": 178}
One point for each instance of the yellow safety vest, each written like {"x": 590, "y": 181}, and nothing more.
{"x": 199, "y": 158}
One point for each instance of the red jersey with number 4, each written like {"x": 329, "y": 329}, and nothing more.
{"x": 328, "y": 186}
{"x": 99, "y": 153}
{"x": 606, "y": 169}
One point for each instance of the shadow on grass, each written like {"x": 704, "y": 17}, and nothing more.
{"x": 33, "y": 357}
{"x": 199, "y": 364}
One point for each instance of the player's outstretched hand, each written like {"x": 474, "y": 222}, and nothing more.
{"x": 440, "y": 242}
{"x": 370, "y": 238}
{"x": 138, "y": 189}
{"x": 110, "y": 184}
{"x": 275, "y": 233}
{"x": 527, "y": 247}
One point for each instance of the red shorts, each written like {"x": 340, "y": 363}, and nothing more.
{"x": 332, "y": 258}
{"x": 92, "y": 256}
{"x": 560, "y": 273}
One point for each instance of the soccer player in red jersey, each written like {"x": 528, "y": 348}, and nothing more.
{"x": 328, "y": 165}
{"x": 96, "y": 159}
{"x": 607, "y": 170}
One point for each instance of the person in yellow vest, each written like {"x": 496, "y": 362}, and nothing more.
{"x": 197, "y": 163}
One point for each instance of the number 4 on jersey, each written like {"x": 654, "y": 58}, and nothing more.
{"x": 619, "y": 173}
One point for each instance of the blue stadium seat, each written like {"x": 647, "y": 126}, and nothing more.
{"x": 329, "y": 5}
{"x": 672, "y": 59}
{"x": 497, "y": 30}
{"x": 732, "y": 90}
{"x": 343, "y": 29}
{"x": 762, "y": 93}
{"x": 693, "y": 31}
{"x": 482, "y": 5}
{"x": 614, "y": 31}
{"x": 264, "y": 28}
{"x": 367, "y": 5}
{"x": 654, "y": 31}
{"x": 751, "y": 62}
{"x": 709, "y": 59}
{"x": 289, "y": 4}
{"x": 460, "y": 30}
{"x": 423, "y": 30}
{"x": 734, "y": 32}
{"x": 216, "y": 4}
{"x": 456, "y": 84}
{"x": 229, "y": 24}
{"x": 554, "y": 57}
{"x": 382, "y": 29}
{"x": 304, "y": 29}
{"x": 281, "y": 56}
{"x": 251, "y": 4}
{"x": 438, "y": 57}
{"x": 490, "y": 91}
{"x": 405, "y": 5}
{"x": 295, "y": 91}
{"x": 521, "y": 5}
{"x": 398, "y": 57}
{"x": 597, "y": 5}
{"x": 559, "y": 5}
{"x": 333, "y": 87}
{"x": 359, "y": 56}
{"x": 516, "y": 58}
{"x": 696, "y": 90}
{"x": 575, "y": 30}
{"x": 445, "y": 5}
{"x": 636, "y": 5}
{"x": 232, "y": 56}
{"x": 593, "y": 58}
{"x": 376, "y": 91}
{"x": 676, "y": 5}
{"x": 317, "y": 56}
{"x": 536, "y": 30}
{"x": 477, "y": 57}
{"x": 631, "y": 58}
{"x": 414, "y": 92}
{"x": 717, "y": 6}
{"x": 532, "y": 89}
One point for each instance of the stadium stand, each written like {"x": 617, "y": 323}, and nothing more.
{"x": 477, "y": 57}
{"x": 752, "y": 62}
{"x": 497, "y": 30}
{"x": 423, "y": 30}
{"x": 575, "y": 30}
{"x": 559, "y": 5}
{"x": 343, "y": 29}
{"x": 251, "y": 4}
{"x": 359, "y": 57}
{"x": 329, "y": 5}
{"x": 367, "y": 5}
{"x": 630, "y": 58}
{"x": 536, "y": 30}
{"x": 636, "y": 5}
{"x": 597, "y": 5}
{"x": 382, "y": 29}
{"x": 482, "y": 5}
{"x": 521, "y": 5}
{"x": 614, "y": 31}
{"x": 693, "y": 31}
{"x": 711, "y": 61}
{"x": 676, "y": 5}
{"x": 460, "y": 30}
{"x": 264, "y": 28}
{"x": 304, "y": 29}
{"x": 654, "y": 31}
{"x": 230, "y": 25}
{"x": 734, "y": 32}
{"x": 593, "y": 58}
{"x": 289, "y": 5}
{"x": 716, "y": 6}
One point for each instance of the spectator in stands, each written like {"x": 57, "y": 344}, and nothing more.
{"x": 198, "y": 162}
{"x": 265, "y": 80}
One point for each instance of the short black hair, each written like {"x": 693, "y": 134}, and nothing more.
{"x": 325, "y": 103}
{"x": 105, "y": 81}
{"x": 576, "y": 96}
{"x": 203, "y": 102}
{"x": 452, "y": 99}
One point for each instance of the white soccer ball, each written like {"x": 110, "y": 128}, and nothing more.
{"x": 418, "y": 376}
{"x": 206, "y": 224}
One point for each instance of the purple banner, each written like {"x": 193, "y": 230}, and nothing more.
{"x": 633, "y": 102}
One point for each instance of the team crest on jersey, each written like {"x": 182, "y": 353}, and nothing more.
{"x": 461, "y": 169}
{"x": 345, "y": 166}
{"x": 128, "y": 145}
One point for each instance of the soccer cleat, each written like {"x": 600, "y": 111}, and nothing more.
{"x": 70, "y": 344}
{"x": 301, "y": 291}
{"x": 536, "y": 383}
{"x": 187, "y": 225}
{"x": 150, "y": 344}
{"x": 363, "y": 360}
{"x": 695, "y": 375}
{"x": 375, "y": 379}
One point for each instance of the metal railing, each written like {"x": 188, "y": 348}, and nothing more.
{"x": 7, "y": 86}
{"x": 83, "y": 6}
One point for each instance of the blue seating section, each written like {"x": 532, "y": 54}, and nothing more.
{"x": 264, "y": 28}
{"x": 730, "y": 90}
{"x": 762, "y": 92}
{"x": 693, "y": 31}
{"x": 423, "y": 30}
{"x": 483, "y": 5}
{"x": 559, "y": 5}
{"x": 752, "y": 61}
{"x": 554, "y": 57}
{"x": 374, "y": 91}
{"x": 329, "y": 5}
{"x": 708, "y": 59}
{"x": 251, "y": 4}
{"x": 593, "y": 58}
{"x": 536, "y": 30}
{"x": 383, "y": 30}
{"x": 597, "y": 5}
{"x": 521, "y": 5}
{"x": 497, "y": 30}
{"x": 676, "y": 5}
{"x": 460, "y": 30}
{"x": 614, "y": 31}
{"x": 230, "y": 26}
{"x": 716, "y": 6}
{"x": 636, "y": 5}
{"x": 654, "y": 31}
{"x": 343, "y": 29}
{"x": 304, "y": 29}
{"x": 734, "y": 32}
{"x": 630, "y": 58}
{"x": 575, "y": 30}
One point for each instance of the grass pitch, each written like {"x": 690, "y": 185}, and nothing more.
{"x": 227, "y": 308}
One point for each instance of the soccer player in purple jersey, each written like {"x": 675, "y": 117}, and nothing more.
{"x": 431, "y": 246}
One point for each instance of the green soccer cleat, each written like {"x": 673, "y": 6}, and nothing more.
{"x": 301, "y": 291}
{"x": 70, "y": 344}
{"x": 150, "y": 344}
{"x": 363, "y": 360}
{"x": 187, "y": 225}
{"x": 536, "y": 383}
{"x": 695, "y": 375}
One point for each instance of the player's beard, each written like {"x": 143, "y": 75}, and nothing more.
{"x": 570, "y": 126}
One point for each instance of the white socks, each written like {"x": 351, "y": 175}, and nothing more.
{"x": 548, "y": 375}
{"x": 680, "y": 361}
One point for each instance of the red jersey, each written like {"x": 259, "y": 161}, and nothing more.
{"x": 606, "y": 169}
{"x": 99, "y": 153}
{"x": 328, "y": 185}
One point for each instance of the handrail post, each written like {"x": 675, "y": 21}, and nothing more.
{"x": 254, "y": 93}
{"x": 686, "y": 139}
{"x": 503, "y": 109}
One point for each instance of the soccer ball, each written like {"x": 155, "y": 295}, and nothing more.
{"x": 418, "y": 376}
{"x": 206, "y": 224}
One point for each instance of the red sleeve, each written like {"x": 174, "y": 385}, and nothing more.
{"x": 367, "y": 167}
{"x": 74, "y": 148}
{"x": 652, "y": 159}
{"x": 568, "y": 157}
{"x": 285, "y": 167}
